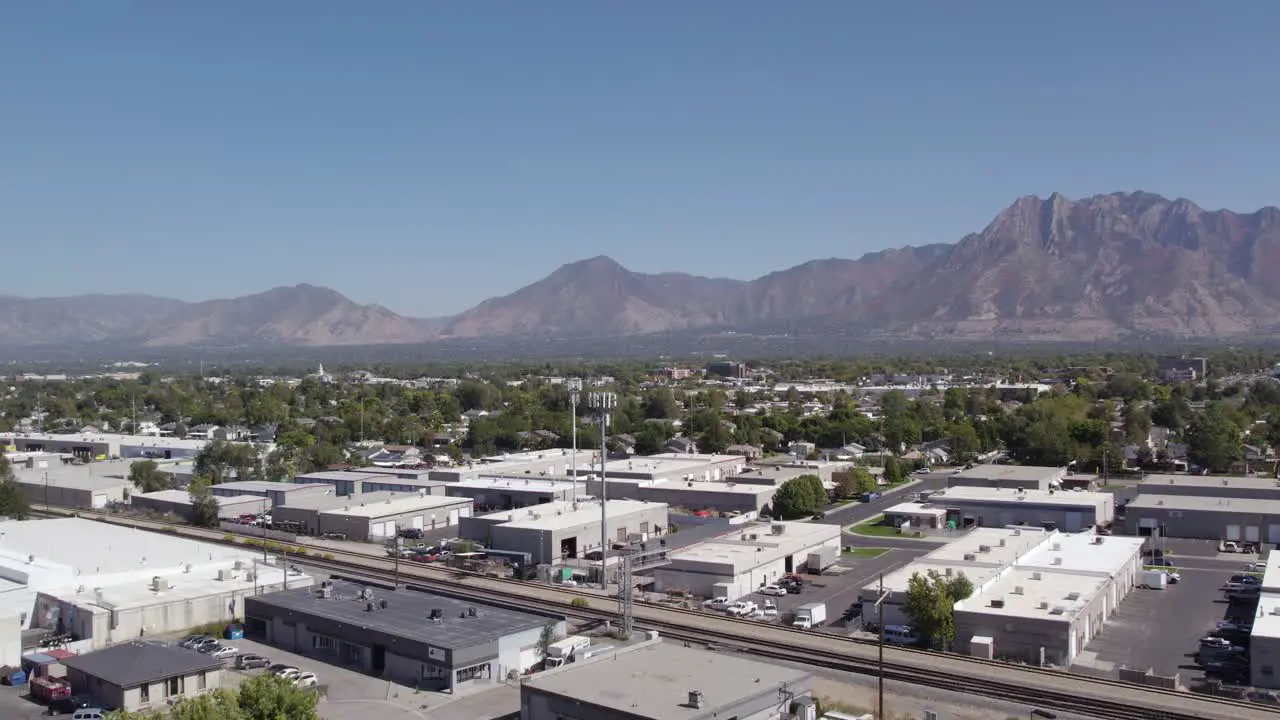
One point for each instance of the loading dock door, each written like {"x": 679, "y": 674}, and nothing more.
{"x": 1252, "y": 533}
{"x": 417, "y": 522}
{"x": 1273, "y": 533}
{"x": 1233, "y": 532}
{"x": 453, "y": 517}
{"x": 1075, "y": 522}
{"x": 100, "y": 500}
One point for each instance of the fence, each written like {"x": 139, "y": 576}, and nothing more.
{"x": 256, "y": 532}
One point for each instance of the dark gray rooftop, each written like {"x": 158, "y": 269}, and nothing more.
{"x": 134, "y": 663}
{"x": 406, "y": 615}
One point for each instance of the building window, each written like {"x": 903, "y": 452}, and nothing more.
{"x": 144, "y": 693}
{"x": 173, "y": 686}
{"x": 202, "y": 681}
{"x": 644, "y": 527}
{"x": 320, "y": 642}
{"x": 472, "y": 673}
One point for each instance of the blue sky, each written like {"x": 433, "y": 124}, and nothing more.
{"x": 426, "y": 155}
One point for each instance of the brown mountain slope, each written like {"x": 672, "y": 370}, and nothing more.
{"x": 80, "y": 319}
{"x": 300, "y": 315}
{"x": 1103, "y": 267}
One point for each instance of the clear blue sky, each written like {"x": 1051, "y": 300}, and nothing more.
{"x": 425, "y": 155}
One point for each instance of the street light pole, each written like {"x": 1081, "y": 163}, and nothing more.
{"x": 603, "y": 402}
{"x": 575, "y": 394}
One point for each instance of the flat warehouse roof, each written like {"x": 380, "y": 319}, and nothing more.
{"x": 651, "y": 464}
{"x": 562, "y": 514}
{"x": 911, "y": 508}
{"x": 109, "y": 438}
{"x": 730, "y": 547}
{"x": 897, "y": 580}
{"x": 340, "y": 475}
{"x": 1011, "y": 472}
{"x": 1036, "y": 594}
{"x": 1266, "y": 623}
{"x": 394, "y": 504}
{"x": 75, "y": 477}
{"x": 1084, "y": 552}
{"x": 1151, "y": 483}
{"x": 1002, "y": 545}
{"x": 975, "y": 495}
{"x": 654, "y": 681}
{"x": 516, "y": 484}
{"x": 407, "y": 614}
{"x": 1271, "y": 578}
{"x": 252, "y": 486}
{"x": 693, "y": 486}
{"x": 1205, "y": 503}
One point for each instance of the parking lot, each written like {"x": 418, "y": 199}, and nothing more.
{"x": 839, "y": 588}
{"x": 1159, "y": 629}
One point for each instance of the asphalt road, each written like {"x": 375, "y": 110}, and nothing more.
{"x": 856, "y": 512}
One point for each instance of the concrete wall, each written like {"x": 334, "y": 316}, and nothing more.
{"x": 1012, "y": 512}
{"x": 500, "y": 498}
{"x": 760, "y": 705}
{"x": 1021, "y": 638}
{"x": 1264, "y": 661}
{"x": 131, "y": 699}
{"x": 1203, "y": 524}
{"x": 361, "y": 527}
{"x": 38, "y": 493}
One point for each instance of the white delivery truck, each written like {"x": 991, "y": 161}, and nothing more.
{"x": 566, "y": 650}
{"x": 1153, "y": 579}
{"x": 810, "y": 615}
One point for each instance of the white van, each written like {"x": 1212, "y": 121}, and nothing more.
{"x": 900, "y": 635}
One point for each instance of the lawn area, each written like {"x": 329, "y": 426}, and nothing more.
{"x": 873, "y": 528}
{"x": 865, "y": 552}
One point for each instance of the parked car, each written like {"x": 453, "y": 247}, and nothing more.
{"x": 1159, "y": 562}
{"x": 716, "y": 603}
{"x": 191, "y": 641}
{"x": 742, "y": 608}
{"x": 412, "y": 534}
{"x": 204, "y": 645}
{"x": 1174, "y": 577}
{"x": 250, "y": 661}
{"x": 1255, "y": 567}
{"x": 770, "y": 609}
{"x": 68, "y": 705}
{"x": 285, "y": 671}
{"x": 306, "y": 679}
{"x": 773, "y": 590}
{"x": 223, "y": 652}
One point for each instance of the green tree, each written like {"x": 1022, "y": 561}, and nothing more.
{"x": 220, "y": 704}
{"x": 1213, "y": 440}
{"x": 549, "y": 635}
{"x": 895, "y": 470}
{"x": 204, "y": 506}
{"x": 855, "y": 482}
{"x": 13, "y": 501}
{"x": 797, "y": 498}
{"x": 930, "y": 604}
{"x": 266, "y": 697}
{"x": 146, "y": 476}
{"x": 652, "y": 438}
{"x": 660, "y": 403}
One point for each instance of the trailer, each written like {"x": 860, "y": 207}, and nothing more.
{"x": 822, "y": 558}
{"x": 566, "y": 650}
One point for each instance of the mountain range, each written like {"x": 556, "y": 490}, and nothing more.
{"x": 1108, "y": 267}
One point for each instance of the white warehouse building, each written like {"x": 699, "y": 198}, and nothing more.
{"x": 103, "y": 583}
{"x": 746, "y": 558}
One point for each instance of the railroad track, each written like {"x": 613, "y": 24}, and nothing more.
{"x": 1035, "y": 687}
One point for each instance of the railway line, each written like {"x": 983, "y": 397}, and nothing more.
{"x": 1034, "y": 687}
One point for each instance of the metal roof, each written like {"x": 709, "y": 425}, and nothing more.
{"x": 406, "y": 615}
{"x": 134, "y": 663}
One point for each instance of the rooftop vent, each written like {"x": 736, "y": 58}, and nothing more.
{"x": 471, "y": 612}
{"x": 1057, "y": 546}
{"x": 1017, "y": 589}
{"x": 1098, "y": 539}
{"x": 1044, "y": 605}
{"x": 1059, "y": 610}
{"x": 159, "y": 584}
{"x": 984, "y": 548}
{"x": 436, "y": 613}
{"x": 1002, "y": 542}
{"x": 1073, "y": 596}
{"x": 382, "y": 603}
{"x": 1036, "y": 576}
{"x": 1057, "y": 561}
{"x": 997, "y": 603}
{"x": 695, "y": 699}
{"x": 970, "y": 557}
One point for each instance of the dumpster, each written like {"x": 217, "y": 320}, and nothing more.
{"x": 234, "y": 632}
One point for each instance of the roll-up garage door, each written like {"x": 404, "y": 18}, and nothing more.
{"x": 1273, "y": 533}
{"x": 391, "y": 528}
{"x": 453, "y": 517}
{"x": 1252, "y": 533}
{"x": 417, "y": 522}
{"x": 1233, "y": 532}
{"x": 1074, "y": 522}
{"x": 100, "y": 500}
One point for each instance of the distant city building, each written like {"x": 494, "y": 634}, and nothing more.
{"x": 727, "y": 369}
{"x": 1181, "y": 369}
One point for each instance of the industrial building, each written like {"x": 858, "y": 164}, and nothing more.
{"x": 432, "y": 642}
{"x": 998, "y": 506}
{"x": 178, "y": 503}
{"x": 276, "y": 493}
{"x": 665, "y": 681}
{"x": 668, "y": 466}
{"x": 141, "y": 676}
{"x": 688, "y": 495}
{"x": 544, "y": 463}
{"x": 87, "y": 486}
{"x": 507, "y": 493}
{"x": 916, "y": 515}
{"x": 359, "y": 482}
{"x": 103, "y": 446}
{"x": 776, "y": 474}
{"x": 1211, "y": 486}
{"x": 556, "y": 531}
{"x": 1204, "y": 517}
{"x": 105, "y": 584}
{"x": 1009, "y": 477}
{"x": 369, "y": 516}
{"x": 1264, "y": 643}
{"x": 1039, "y": 596}
{"x": 746, "y": 558}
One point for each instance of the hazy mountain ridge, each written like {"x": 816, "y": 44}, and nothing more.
{"x": 1108, "y": 267}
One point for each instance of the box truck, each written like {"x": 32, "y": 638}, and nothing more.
{"x": 810, "y": 615}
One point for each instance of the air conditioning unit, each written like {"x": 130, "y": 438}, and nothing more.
{"x": 1017, "y": 590}
{"x": 159, "y": 584}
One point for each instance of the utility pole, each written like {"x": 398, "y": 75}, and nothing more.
{"x": 603, "y": 402}
{"x": 575, "y": 394}
{"x": 395, "y": 547}
{"x": 880, "y": 663}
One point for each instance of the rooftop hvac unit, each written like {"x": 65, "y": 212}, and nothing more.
{"x": 471, "y": 612}
{"x": 1057, "y": 547}
{"x": 382, "y": 603}
{"x": 1016, "y": 533}
{"x": 159, "y": 584}
{"x": 947, "y": 572}
{"x": 368, "y": 607}
{"x": 695, "y": 699}
{"x": 326, "y": 591}
{"x": 225, "y": 574}
{"x": 1057, "y": 561}
{"x": 1044, "y": 605}
{"x": 984, "y": 548}
{"x": 755, "y": 536}
{"x": 436, "y": 613}
{"x": 187, "y": 568}
{"x": 997, "y": 603}
{"x": 1017, "y": 590}
{"x": 1059, "y": 610}
{"x": 1036, "y": 576}
{"x": 1002, "y": 542}
{"x": 778, "y": 528}
{"x": 970, "y": 557}
{"x": 1073, "y": 596}
{"x": 1098, "y": 540}
{"x": 1275, "y": 610}
{"x": 744, "y": 537}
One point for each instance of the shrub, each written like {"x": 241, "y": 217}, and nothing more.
{"x": 328, "y": 556}
{"x": 580, "y": 602}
